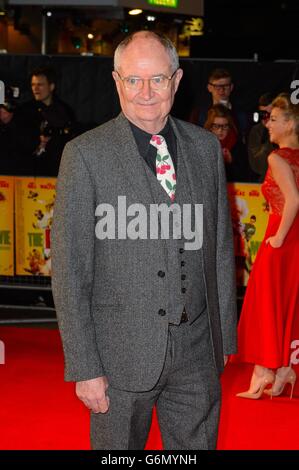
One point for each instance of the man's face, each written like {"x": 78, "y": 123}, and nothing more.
{"x": 220, "y": 89}
{"x": 5, "y": 116}
{"x": 42, "y": 89}
{"x": 265, "y": 112}
{"x": 147, "y": 108}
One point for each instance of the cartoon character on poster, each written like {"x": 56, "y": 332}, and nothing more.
{"x": 239, "y": 211}
{"x": 249, "y": 219}
{"x": 40, "y": 263}
{"x": 249, "y": 230}
{"x": 6, "y": 226}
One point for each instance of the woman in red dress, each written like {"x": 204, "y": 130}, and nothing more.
{"x": 269, "y": 322}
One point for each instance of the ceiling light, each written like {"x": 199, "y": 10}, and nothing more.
{"x": 90, "y": 36}
{"x": 151, "y": 18}
{"x": 135, "y": 11}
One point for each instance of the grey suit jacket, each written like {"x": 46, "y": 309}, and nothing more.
{"x": 107, "y": 293}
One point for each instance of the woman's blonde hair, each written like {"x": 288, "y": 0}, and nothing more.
{"x": 289, "y": 109}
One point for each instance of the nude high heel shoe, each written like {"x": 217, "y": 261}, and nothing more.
{"x": 259, "y": 383}
{"x": 280, "y": 383}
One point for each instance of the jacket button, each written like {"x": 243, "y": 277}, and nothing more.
{"x": 183, "y": 263}
{"x": 183, "y": 290}
{"x": 183, "y": 277}
{"x": 161, "y": 273}
{"x": 162, "y": 312}
{"x": 181, "y": 250}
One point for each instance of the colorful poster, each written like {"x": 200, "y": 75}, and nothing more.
{"x": 249, "y": 217}
{"x": 6, "y": 225}
{"x": 34, "y": 202}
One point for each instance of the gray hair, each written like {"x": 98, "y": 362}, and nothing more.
{"x": 163, "y": 40}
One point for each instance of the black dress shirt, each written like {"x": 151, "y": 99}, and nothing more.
{"x": 148, "y": 151}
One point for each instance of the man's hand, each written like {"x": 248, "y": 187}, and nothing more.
{"x": 93, "y": 394}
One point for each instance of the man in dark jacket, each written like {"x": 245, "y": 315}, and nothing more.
{"x": 47, "y": 124}
{"x": 259, "y": 145}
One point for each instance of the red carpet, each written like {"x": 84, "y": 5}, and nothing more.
{"x": 38, "y": 410}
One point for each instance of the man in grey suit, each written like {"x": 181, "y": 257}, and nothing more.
{"x": 145, "y": 320}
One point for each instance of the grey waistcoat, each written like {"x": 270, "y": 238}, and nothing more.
{"x": 184, "y": 278}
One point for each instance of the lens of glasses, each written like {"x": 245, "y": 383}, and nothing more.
{"x": 218, "y": 127}
{"x": 133, "y": 83}
{"x": 226, "y": 86}
{"x": 264, "y": 114}
{"x": 159, "y": 82}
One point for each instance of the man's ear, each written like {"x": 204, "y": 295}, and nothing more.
{"x": 178, "y": 77}
{"x": 116, "y": 79}
{"x": 114, "y": 75}
{"x": 52, "y": 87}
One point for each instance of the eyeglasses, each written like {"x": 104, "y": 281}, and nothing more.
{"x": 220, "y": 127}
{"x": 264, "y": 115}
{"x": 158, "y": 82}
{"x": 226, "y": 86}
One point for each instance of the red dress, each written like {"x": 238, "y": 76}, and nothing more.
{"x": 269, "y": 323}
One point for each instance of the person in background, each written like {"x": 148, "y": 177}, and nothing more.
{"x": 47, "y": 124}
{"x": 259, "y": 146}
{"x": 220, "y": 86}
{"x": 9, "y": 136}
{"x": 221, "y": 123}
{"x": 269, "y": 321}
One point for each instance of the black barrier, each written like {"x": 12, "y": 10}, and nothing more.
{"x": 86, "y": 84}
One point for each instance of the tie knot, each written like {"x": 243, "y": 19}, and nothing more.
{"x": 157, "y": 140}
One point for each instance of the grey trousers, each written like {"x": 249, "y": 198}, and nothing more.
{"x": 187, "y": 399}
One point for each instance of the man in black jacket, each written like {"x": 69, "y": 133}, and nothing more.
{"x": 259, "y": 145}
{"x": 47, "y": 124}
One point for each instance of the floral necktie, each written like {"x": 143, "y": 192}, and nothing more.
{"x": 164, "y": 166}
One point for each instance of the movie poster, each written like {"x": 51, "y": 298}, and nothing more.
{"x": 249, "y": 212}
{"x": 34, "y": 202}
{"x": 6, "y": 225}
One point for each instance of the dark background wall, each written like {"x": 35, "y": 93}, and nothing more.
{"x": 86, "y": 83}
{"x": 240, "y": 29}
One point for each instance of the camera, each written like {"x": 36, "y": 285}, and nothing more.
{"x": 10, "y": 96}
{"x": 259, "y": 116}
{"x": 47, "y": 130}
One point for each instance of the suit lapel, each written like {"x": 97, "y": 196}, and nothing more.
{"x": 192, "y": 158}
{"x": 192, "y": 163}
{"x": 131, "y": 161}
{"x": 133, "y": 164}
